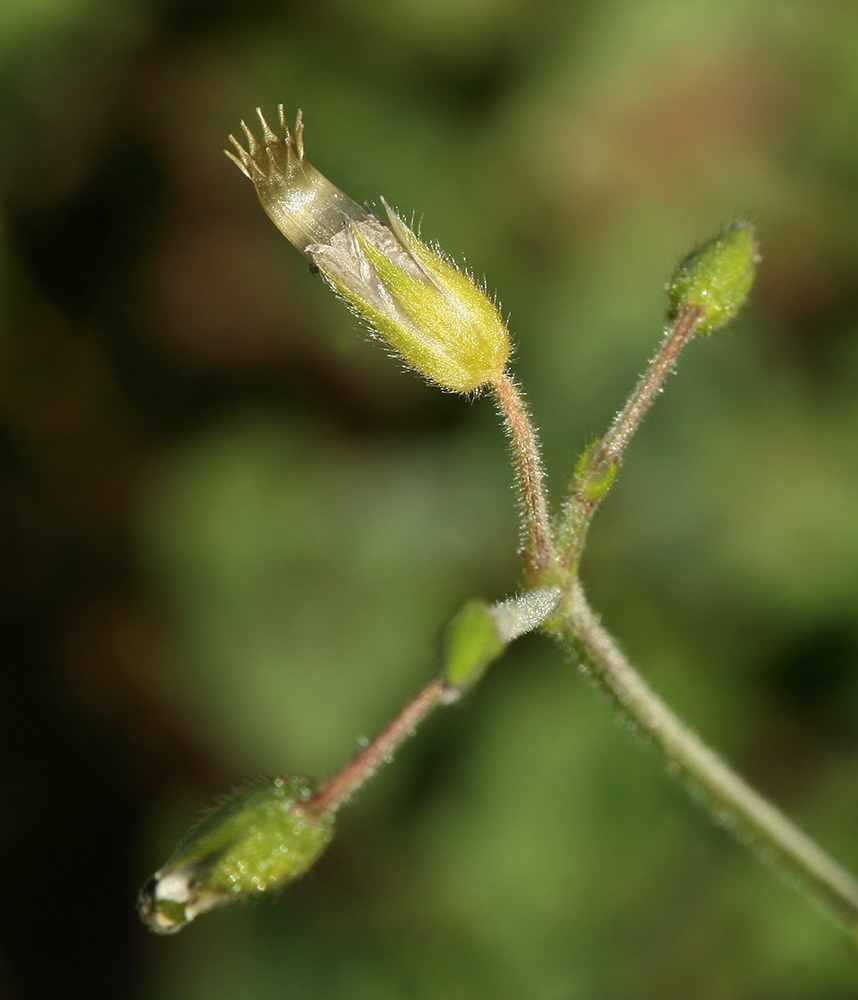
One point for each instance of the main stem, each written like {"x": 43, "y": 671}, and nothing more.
{"x": 537, "y": 549}
{"x": 344, "y": 784}
{"x": 772, "y": 837}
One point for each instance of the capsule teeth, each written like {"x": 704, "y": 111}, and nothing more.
{"x": 299, "y": 136}
{"x": 281, "y": 152}
{"x": 252, "y": 144}
{"x": 269, "y": 136}
{"x": 287, "y": 135}
{"x": 273, "y": 167}
{"x": 238, "y": 163}
{"x": 245, "y": 161}
{"x": 244, "y": 156}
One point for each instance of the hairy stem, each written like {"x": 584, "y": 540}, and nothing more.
{"x": 730, "y": 800}
{"x": 593, "y": 477}
{"x": 537, "y": 550}
{"x": 613, "y": 444}
{"x": 342, "y": 786}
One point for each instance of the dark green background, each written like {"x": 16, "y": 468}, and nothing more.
{"x": 230, "y": 527}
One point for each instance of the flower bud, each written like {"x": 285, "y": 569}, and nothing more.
{"x": 592, "y": 478}
{"x": 478, "y": 634}
{"x": 409, "y": 294}
{"x": 716, "y": 277}
{"x": 259, "y": 839}
{"x": 472, "y": 642}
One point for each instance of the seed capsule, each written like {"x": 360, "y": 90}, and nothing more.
{"x": 408, "y": 293}
{"x": 258, "y": 840}
{"x": 716, "y": 277}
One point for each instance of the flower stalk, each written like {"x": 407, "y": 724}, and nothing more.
{"x": 473, "y": 639}
{"x": 537, "y": 542}
{"x": 364, "y": 765}
{"x": 601, "y": 461}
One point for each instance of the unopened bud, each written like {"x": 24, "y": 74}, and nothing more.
{"x": 592, "y": 478}
{"x": 472, "y": 641}
{"x": 716, "y": 277}
{"x": 258, "y": 840}
{"x": 480, "y": 632}
{"x": 408, "y": 293}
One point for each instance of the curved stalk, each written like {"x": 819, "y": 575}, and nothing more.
{"x": 774, "y": 838}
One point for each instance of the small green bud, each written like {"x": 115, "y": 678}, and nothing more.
{"x": 716, "y": 277}
{"x": 409, "y": 294}
{"x": 593, "y": 483}
{"x": 471, "y": 643}
{"x": 259, "y": 839}
{"x": 478, "y": 634}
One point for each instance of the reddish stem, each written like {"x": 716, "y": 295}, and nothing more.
{"x": 537, "y": 545}
{"x": 615, "y": 440}
{"x": 578, "y": 511}
{"x": 343, "y": 785}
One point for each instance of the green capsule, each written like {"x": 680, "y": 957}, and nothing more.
{"x": 716, "y": 277}
{"x": 259, "y": 839}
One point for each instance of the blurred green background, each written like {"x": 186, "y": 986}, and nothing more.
{"x": 230, "y": 527}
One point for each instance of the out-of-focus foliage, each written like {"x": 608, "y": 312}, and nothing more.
{"x": 230, "y": 528}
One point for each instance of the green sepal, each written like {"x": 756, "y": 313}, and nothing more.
{"x": 258, "y": 839}
{"x": 442, "y": 324}
{"x": 716, "y": 277}
{"x": 471, "y": 643}
{"x": 456, "y": 337}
